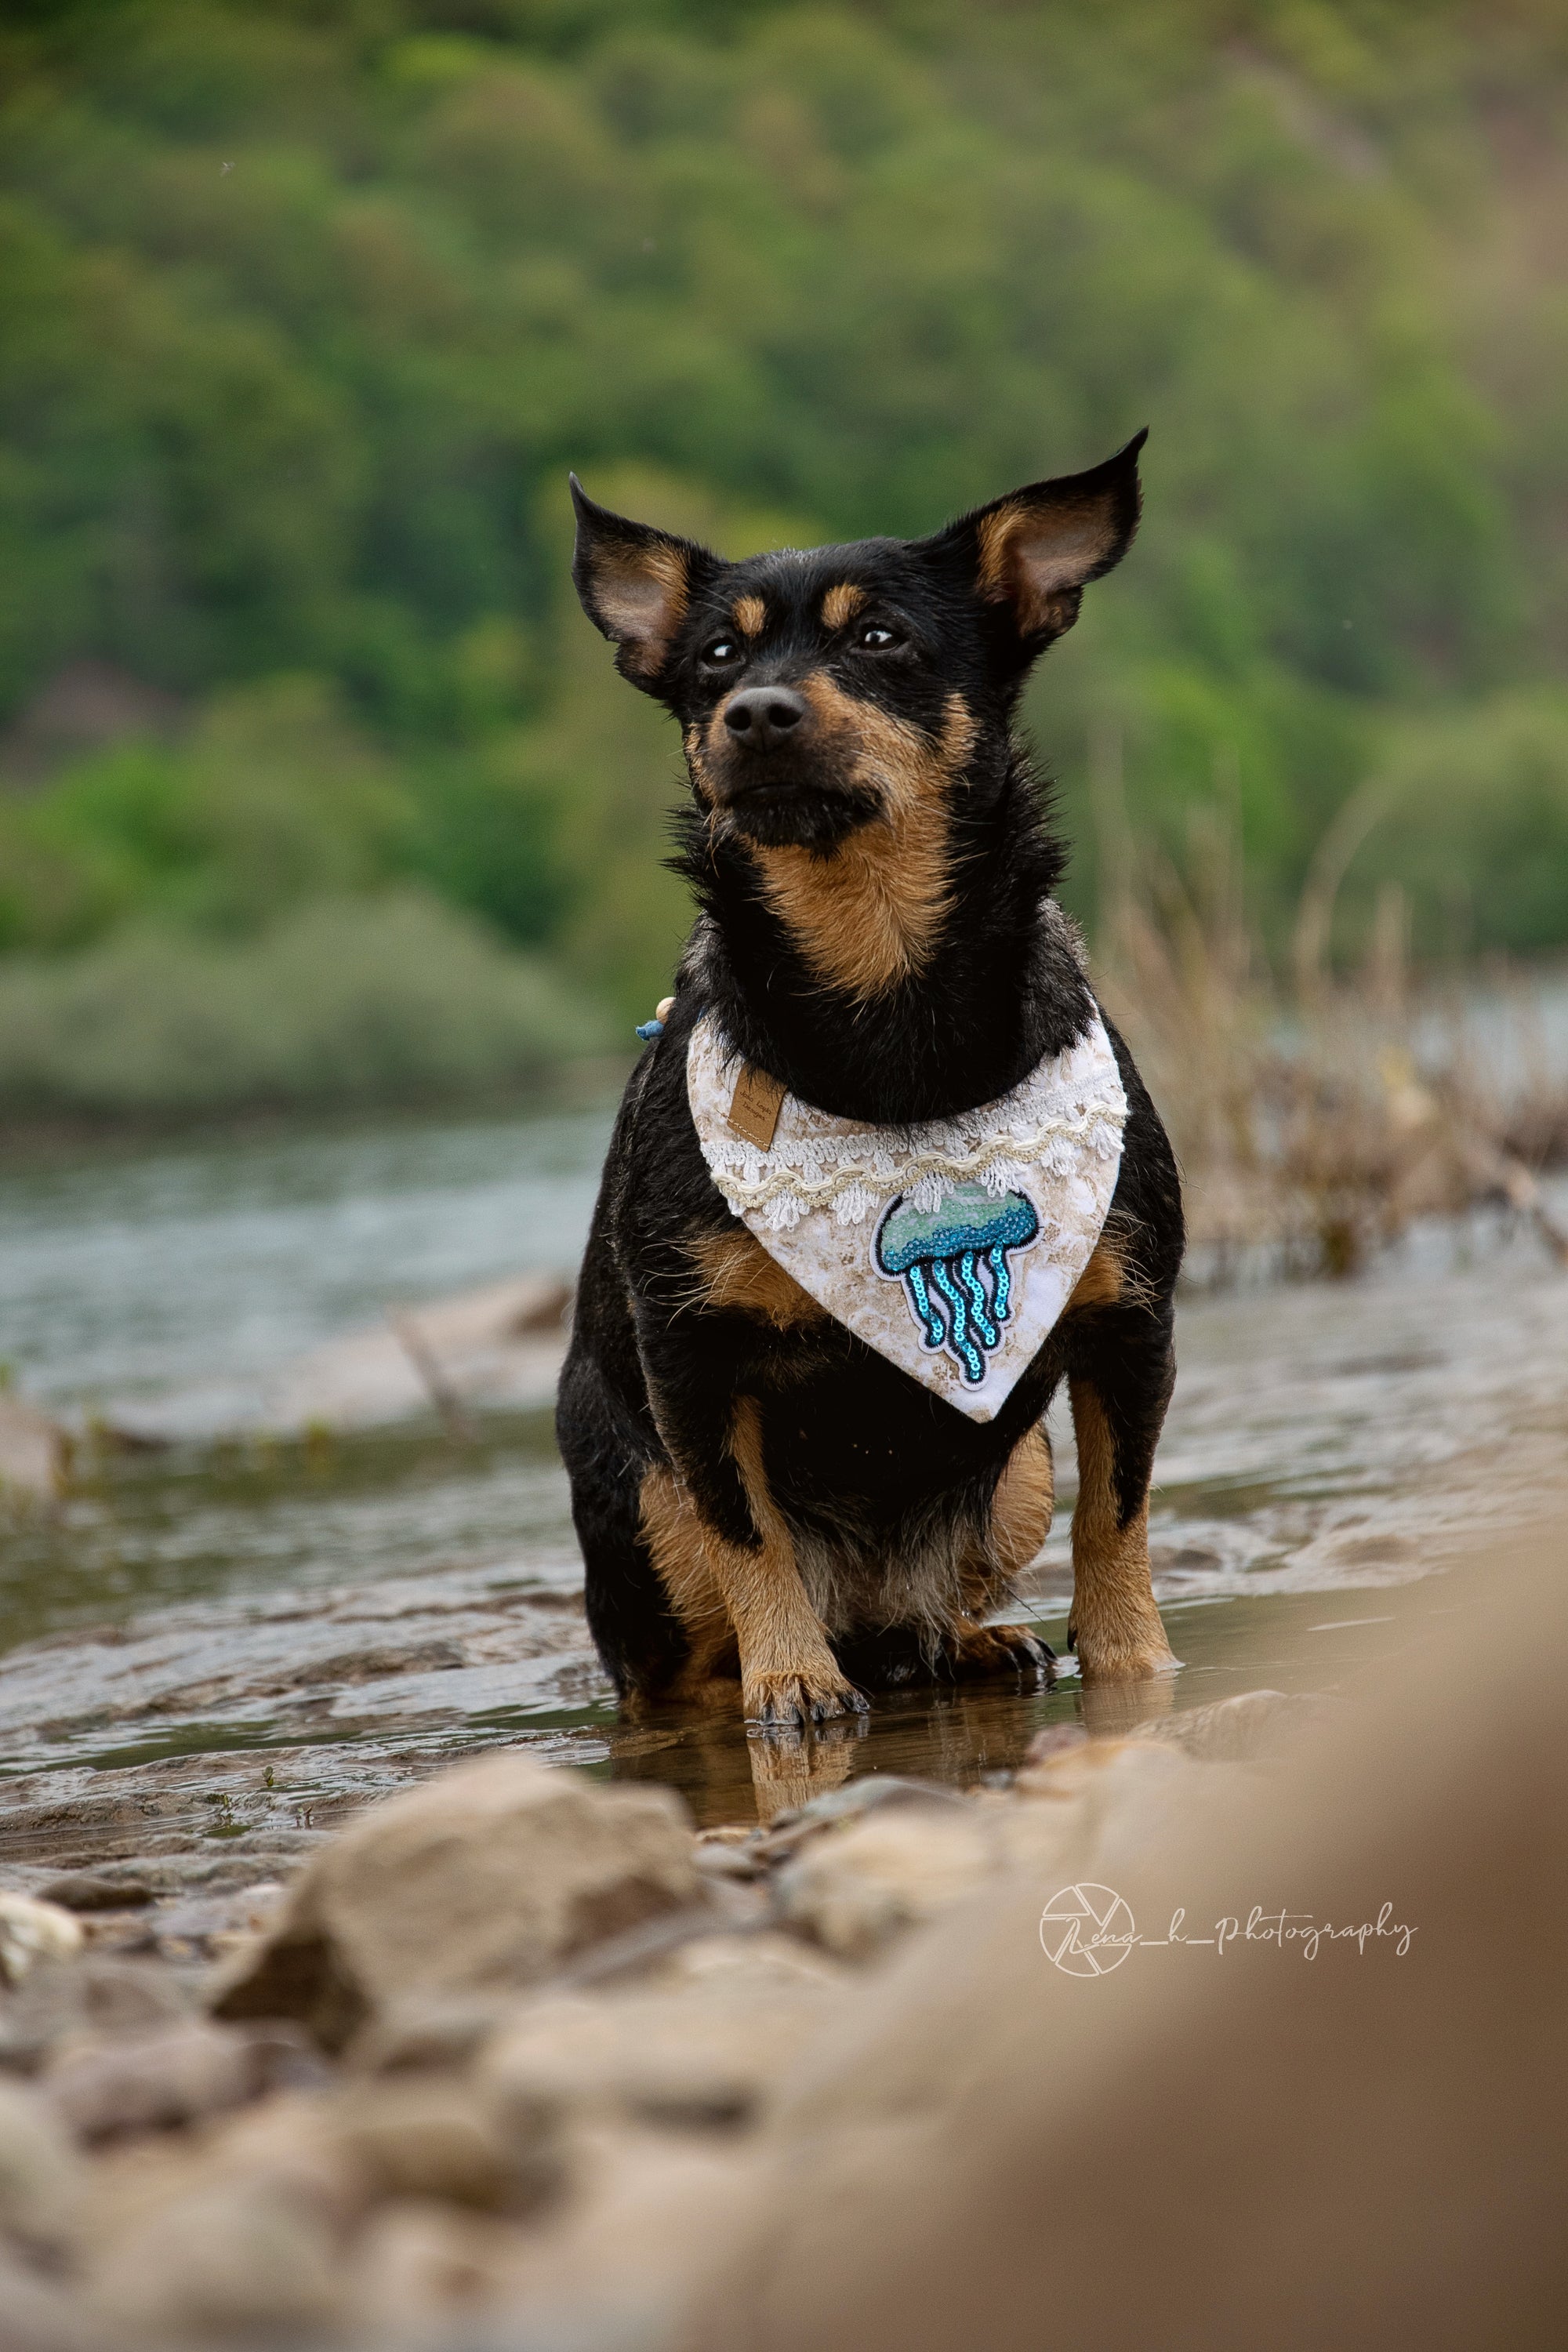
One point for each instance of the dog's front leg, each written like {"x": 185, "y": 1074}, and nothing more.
{"x": 1120, "y": 1389}
{"x": 788, "y": 1672}
{"x": 721, "y": 1546}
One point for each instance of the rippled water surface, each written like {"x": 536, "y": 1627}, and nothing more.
{"x": 241, "y": 1638}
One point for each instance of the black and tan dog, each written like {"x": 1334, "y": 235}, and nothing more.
{"x": 772, "y": 1512}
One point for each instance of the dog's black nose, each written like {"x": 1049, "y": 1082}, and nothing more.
{"x": 761, "y": 717}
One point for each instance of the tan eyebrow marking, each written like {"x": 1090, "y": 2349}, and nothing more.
{"x": 842, "y": 604}
{"x": 751, "y": 616}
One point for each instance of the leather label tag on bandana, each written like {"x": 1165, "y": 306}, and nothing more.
{"x": 950, "y": 1247}
{"x": 754, "y": 1108}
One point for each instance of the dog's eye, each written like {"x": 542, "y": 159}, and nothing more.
{"x": 721, "y": 652}
{"x": 876, "y": 637}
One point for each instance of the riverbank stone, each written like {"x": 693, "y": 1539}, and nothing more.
{"x": 488, "y": 1877}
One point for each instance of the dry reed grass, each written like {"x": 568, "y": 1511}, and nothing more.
{"x": 1316, "y": 1115}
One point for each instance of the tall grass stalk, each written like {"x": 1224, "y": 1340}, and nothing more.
{"x": 1316, "y": 1114}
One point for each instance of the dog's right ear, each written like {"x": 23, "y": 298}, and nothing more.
{"x": 1031, "y": 554}
{"x": 636, "y": 584}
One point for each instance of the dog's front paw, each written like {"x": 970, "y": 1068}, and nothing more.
{"x": 1122, "y": 1656}
{"x": 783, "y": 1702}
{"x": 983, "y": 1650}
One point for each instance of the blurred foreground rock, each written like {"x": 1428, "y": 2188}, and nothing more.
{"x": 485, "y": 1877}
{"x": 1247, "y": 2136}
{"x": 520, "y": 2061}
{"x": 31, "y": 1932}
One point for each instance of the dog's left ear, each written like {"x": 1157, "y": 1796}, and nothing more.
{"x": 635, "y": 584}
{"x": 1035, "y": 549}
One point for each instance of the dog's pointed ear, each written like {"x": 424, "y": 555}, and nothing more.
{"x": 1035, "y": 550}
{"x": 635, "y": 584}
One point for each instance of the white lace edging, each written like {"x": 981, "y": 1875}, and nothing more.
{"x": 1070, "y": 1104}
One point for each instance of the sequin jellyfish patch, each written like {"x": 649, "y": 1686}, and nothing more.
{"x": 938, "y": 1253}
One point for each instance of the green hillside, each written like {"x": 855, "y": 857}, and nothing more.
{"x": 305, "y": 310}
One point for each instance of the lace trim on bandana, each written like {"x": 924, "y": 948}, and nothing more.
{"x": 1069, "y": 1104}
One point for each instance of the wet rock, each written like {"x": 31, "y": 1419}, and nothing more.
{"x": 612, "y": 2270}
{"x": 253, "y": 2256}
{"x": 95, "y": 1996}
{"x": 698, "y": 2054}
{"x": 1056, "y": 1740}
{"x": 874, "y": 1792}
{"x": 176, "y": 2077}
{"x": 486, "y": 1878}
{"x": 237, "y": 2232}
{"x": 427, "y": 2032}
{"x": 1253, "y": 1728}
{"x": 40, "y": 2175}
{"x": 896, "y": 1867}
{"x": 88, "y": 1891}
{"x": 31, "y": 1931}
{"x": 731, "y": 1859}
{"x": 420, "y": 2269}
{"x": 499, "y": 1345}
{"x": 1065, "y": 1775}
{"x": 39, "y": 2316}
{"x": 759, "y": 1965}
{"x": 34, "y": 1453}
{"x": 440, "y": 2136}
{"x": 1122, "y": 1796}
{"x": 724, "y": 1904}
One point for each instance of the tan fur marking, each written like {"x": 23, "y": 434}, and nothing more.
{"x": 691, "y": 741}
{"x": 641, "y": 593}
{"x": 731, "y": 1594}
{"x": 786, "y": 1661}
{"x": 673, "y": 1534}
{"x": 1120, "y": 1636}
{"x": 1022, "y": 1507}
{"x": 867, "y": 916}
{"x": 841, "y": 603}
{"x": 751, "y": 616}
{"x": 1037, "y": 558}
{"x": 1101, "y": 1283}
{"x": 736, "y": 1274}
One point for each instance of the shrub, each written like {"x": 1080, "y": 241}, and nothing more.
{"x": 346, "y": 1001}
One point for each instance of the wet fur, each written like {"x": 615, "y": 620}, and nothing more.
{"x": 769, "y": 1511}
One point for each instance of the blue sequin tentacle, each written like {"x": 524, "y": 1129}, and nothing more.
{"x": 975, "y": 1291}
{"x": 1001, "y": 1282}
{"x": 935, "y": 1329}
{"x": 963, "y": 1345}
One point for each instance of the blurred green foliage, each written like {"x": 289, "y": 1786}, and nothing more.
{"x": 306, "y": 308}
{"x": 346, "y": 1001}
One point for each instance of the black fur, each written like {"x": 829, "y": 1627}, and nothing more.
{"x": 857, "y": 1454}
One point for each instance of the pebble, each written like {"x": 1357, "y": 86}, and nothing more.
{"x": 31, "y": 1931}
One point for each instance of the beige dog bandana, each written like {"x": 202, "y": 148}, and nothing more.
{"x": 951, "y": 1247}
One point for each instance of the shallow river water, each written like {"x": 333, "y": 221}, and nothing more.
{"x": 222, "y": 1643}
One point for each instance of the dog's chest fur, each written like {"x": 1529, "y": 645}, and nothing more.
{"x": 886, "y": 1488}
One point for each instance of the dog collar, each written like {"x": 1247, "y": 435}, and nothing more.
{"x": 950, "y": 1247}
